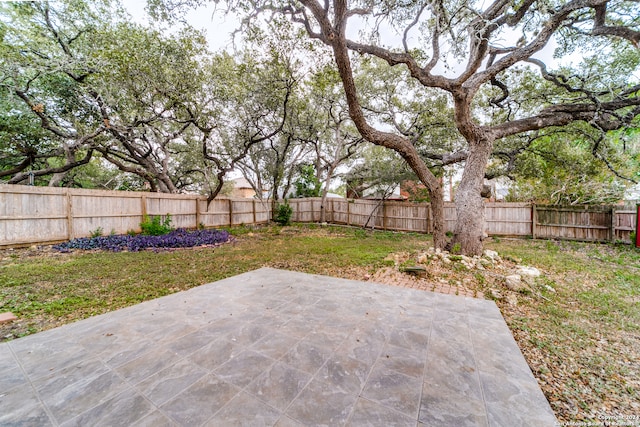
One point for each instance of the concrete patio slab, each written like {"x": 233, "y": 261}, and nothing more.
{"x": 277, "y": 348}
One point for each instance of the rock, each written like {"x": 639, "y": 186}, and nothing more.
{"x": 446, "y": 260}
{"x": 468, "y": 266}
{"x": 512, "y": 299}
{"x": 515, "y": 283}
{"x": 524, "y": 270}
{"x": 422, "y": 258}
{"x": 528, "y": 274}
{"x": 495, "y": 294}
{"x": 492, "y": 255}
{"x": 415, "y": 269}
{"x": 7, "y": 317}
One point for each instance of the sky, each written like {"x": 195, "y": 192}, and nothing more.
{"x": 217, "y": 27}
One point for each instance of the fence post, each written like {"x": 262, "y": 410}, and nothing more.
{"x": 143, "y": 206}
{"x": 198, "y": 220}
{"x": 230, "y": 212}
{"x": 612, "y": 230}
{"x": 534, "y": 220}
{"x": 69, "y": 214}
{"x": 637, "y": 242}
{"x": 427, "y": 218}
{"x": 348, "y": 213}
{"x": 255, "y": 217}
{"x": 333, "y": 210}
{"x": 384, "y": 215}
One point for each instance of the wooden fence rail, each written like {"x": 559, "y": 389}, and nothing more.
{"x": 31, "y": 215}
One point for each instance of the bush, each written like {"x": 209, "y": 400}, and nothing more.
{"x": 283, "y": 214}
{"x": 156, "y": 226}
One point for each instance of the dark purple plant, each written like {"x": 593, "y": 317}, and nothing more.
{"x": 179, "y": 238}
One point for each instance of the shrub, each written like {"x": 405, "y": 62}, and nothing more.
{"x": 156, "y": 226}
{"x": 96, "y": 233}
{"x": 283, "y": 214}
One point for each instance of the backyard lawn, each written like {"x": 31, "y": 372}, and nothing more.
{"x": 579, "y": 328}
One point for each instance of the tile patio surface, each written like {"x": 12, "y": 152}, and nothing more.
{"x": 273, "y": 347}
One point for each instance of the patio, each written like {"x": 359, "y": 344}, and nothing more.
{"x": 274, "y": 347}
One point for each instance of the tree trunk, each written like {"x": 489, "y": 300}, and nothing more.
{"x": 436, "y": 195}
{"x": 398, "y": 143}
{"x": 165, "y": 184}
{"x": 325, "y": 190}
{"x": 323, "y": 209}
{"x": 219, "y": 184}
{"x": 56, "y": 179}
{"x": 437, "y": 215}
{"x": 470, "y": 225}
{"x": 70, "y": 158}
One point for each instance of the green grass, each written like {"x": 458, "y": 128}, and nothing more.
{"x": 64, "y": 287}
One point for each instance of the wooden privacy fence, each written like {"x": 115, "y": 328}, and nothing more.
{"x": 503, "y": 219}
{"x": 30, "y": 215}
{"x": 592, "y": 223}
{"x": 41, "y": 214}
{"x": 585, "y": 223}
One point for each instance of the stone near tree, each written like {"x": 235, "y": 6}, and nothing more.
{"x": 492, "y": 255}
{"x": 528, "y": 274}
{"x": 515, "y": 283}
{"x": 7, "y": 317}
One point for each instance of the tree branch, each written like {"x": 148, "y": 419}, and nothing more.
{"x": 601, "y": 29}
{"x": 67, "y": 167}
{"x": 601, "y": 115}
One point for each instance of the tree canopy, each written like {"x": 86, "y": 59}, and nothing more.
{"x": 467, "y": 49}
{"x": 499, "y": 88}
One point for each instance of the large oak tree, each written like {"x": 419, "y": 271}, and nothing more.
{"x": 463, "y": 47}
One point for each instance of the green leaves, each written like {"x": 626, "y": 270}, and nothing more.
{"x": 307, "y": 184}
{"x": 569, "y": 168}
